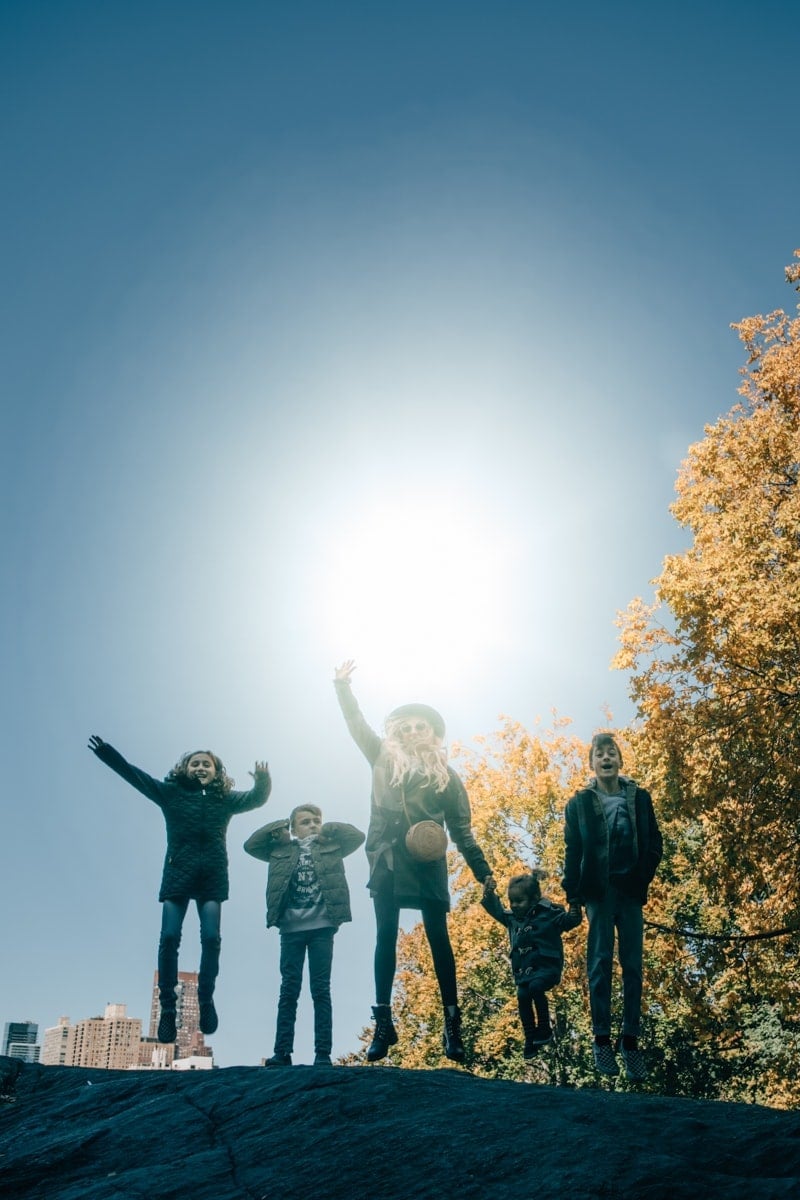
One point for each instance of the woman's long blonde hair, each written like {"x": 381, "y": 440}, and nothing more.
{"x": 427, "y": 761}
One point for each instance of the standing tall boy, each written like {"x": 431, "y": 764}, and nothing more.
{"x": 613, "y": 848}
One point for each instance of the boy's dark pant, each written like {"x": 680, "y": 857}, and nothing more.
{"x": 319, "y": 944}
{"x": 619, "y": 912}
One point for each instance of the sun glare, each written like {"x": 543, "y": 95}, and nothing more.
{"x": 418, "y": 586}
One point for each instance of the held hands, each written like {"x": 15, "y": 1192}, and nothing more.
{"x": 575, "y": 913}
{"x": 489, "y": 886}
{"x": 95, "y": 743}
{"x": 342, "y": 674}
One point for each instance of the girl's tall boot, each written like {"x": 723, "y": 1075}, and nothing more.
{"x": 167, "y": 982}
{"x": 209, "y": 969}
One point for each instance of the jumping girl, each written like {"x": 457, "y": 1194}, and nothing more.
{"x": 198, "y": 801}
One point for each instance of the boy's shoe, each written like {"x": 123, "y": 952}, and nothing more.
{"x": 385, "y": 1034}
{"x": 530, "y": 1048}
{"x": 605, "y": 1060}
{"x": 278, "y": 1060}
{"x": 635, "y": 1067}
{"x": 322, "y": 1060}
{"x": 167, "y": 1031}
{"x": 541, "y": 1035}
{"x": 208, "y": 1017}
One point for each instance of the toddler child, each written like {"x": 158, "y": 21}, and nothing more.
{"x": 534, "y": 926}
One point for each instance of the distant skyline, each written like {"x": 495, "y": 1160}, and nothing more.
{"x": 339, "y": 331}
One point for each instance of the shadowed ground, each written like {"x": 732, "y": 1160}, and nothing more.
{"x": 372, "y": 1132}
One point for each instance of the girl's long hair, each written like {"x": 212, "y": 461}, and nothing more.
{"x": 222, "y": 780}
{"x": 427, "y": 761}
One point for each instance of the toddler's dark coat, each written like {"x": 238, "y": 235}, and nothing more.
{"x": 197, "y": 817}
{"x": 335, "y": 841}
{"x": 537, "y": 953}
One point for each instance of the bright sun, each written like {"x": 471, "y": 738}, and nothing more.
{"x": 419, "y": 586}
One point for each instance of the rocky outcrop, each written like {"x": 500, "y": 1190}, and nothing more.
{"x": 364, "y": 1133}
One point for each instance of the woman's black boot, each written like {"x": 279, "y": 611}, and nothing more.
{"x": 385, "y": 1034}
{"x": 451, "y": 1038}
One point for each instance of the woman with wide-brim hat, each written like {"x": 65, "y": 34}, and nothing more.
{"x": 416, "y": 797}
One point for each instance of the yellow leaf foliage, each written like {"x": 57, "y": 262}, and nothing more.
{"x": 715, "y": 675}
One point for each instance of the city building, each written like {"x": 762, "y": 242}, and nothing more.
{"x": 115, "y": 1042}
{"x": 54, "y": 1046}
{"x": 19, "y": 1040}
{"x": 110, "y": 1042}
{"x": 154, "y": 1055}
{"x": 195, "y": 1062}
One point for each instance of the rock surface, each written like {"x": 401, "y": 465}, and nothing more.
{"x": 363, "y": 1133}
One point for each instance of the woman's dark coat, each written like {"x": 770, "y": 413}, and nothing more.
{"x": 197, "y": 817}
{"x": 335, "y": 841}
{"x": 394, "y": 808}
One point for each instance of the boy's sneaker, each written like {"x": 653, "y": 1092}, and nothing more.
{"x": 278, "y": 1060}
{"x": 605, "y": 1060}
{"x": 635, "y": 1067}
{"x": 542, "y": 1035}
{"x": 322, "y": 1060}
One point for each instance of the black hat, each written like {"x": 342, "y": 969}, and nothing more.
{"x": 434, "y": 719}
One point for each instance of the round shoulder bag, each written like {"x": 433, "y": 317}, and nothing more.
{"x": 426, "y": 841}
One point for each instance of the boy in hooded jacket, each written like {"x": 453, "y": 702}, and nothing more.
{"x": 612, "y": 850}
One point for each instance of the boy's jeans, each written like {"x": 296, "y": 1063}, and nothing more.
{"x": 619, "y": 911}
{"x": 319, "y": 943}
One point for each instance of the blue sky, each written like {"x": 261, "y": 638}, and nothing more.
{"x": 339, "y": 330}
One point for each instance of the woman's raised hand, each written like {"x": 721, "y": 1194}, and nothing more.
{"x": 342, "y": 674}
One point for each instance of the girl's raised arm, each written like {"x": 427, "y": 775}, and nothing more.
{"x": 144, "y": 783}
{"x": 259, "y": 792}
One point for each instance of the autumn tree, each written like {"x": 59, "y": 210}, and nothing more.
{"x": 715, "y": 676}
